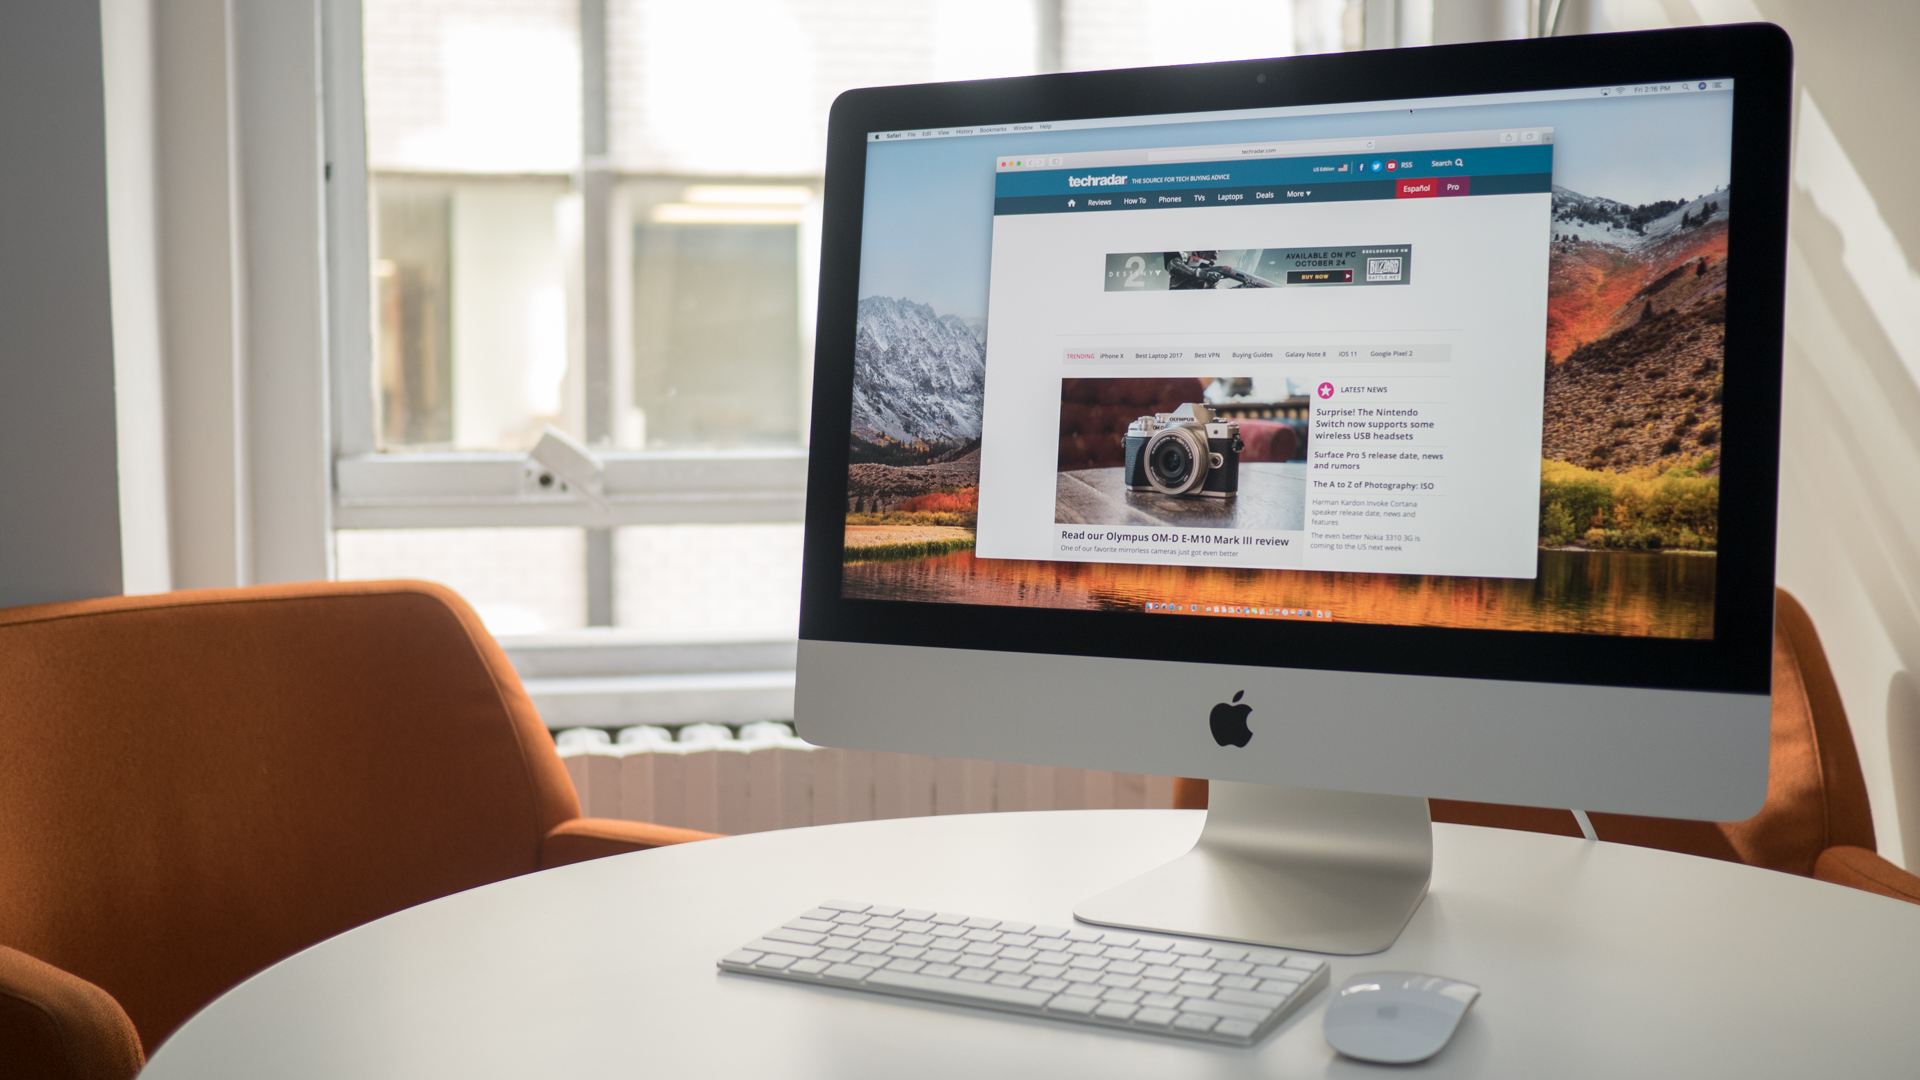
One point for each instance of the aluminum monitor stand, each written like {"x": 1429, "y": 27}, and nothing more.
{"x": 1324, "y": 871}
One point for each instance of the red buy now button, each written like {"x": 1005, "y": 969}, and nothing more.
{"x": 1416, "y": 189}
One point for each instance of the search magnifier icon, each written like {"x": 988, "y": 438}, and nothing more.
{"x": 1460, "y": 162}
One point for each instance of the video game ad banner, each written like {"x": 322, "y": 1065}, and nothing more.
{"x": 1259, "y": 268}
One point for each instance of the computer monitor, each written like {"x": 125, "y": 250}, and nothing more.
{"x": 1347, "y": 429}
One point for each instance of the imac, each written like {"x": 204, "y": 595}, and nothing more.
{"x": 1348, "y": 430}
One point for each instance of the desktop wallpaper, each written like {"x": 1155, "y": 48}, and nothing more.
{"x": 1630, "y": 455}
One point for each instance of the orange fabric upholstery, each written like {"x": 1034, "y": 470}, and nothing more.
{"x": 592, "y": 838}
{"x": 1816, "y": 820}
{"x": 198, "y": 784}
{"x": 54, "y": 1026}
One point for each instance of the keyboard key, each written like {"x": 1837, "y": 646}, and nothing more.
{"x": 1005, "y": 995}
{"x": 974, "y": 975}
{"x": 1194, "y": 1022}
{"x": 1227, "y": 952}
{"x": 941, "y": 971}
{"x": 1011, "y": 980}
{"x": 818, "y": 926}
{"x": 1080, "y": 975}
{"x": 823, "y": 914}
{"x": 809, "y": 967}
{"x": 1154, "y": 1018}
{"x": 1016, "y": 927}
{"x": 1089, "y": 990}
{"x": 773, "y": 962}
{"x": 1238, "y": 982}
{"x": 947, "y": 931}
{"x": 1047, "y": 971}
{"x": 1010, "y": 967}
{"x": 1304, "y": 963}
{"x": 1131, "y": 997}
{"x": 1224, "y": 1008}
{"x": 906, "y": 952}
{"x": 914, "y": 926}
{"x": 1251, "y": 997}
{"x": 1239, "y": 1029}
{"x": 1115, "y": 952}
{"x": 1162, "y": 1001}
{"x": 846, "y": 971}
{"x": 1158, "y": 986}
{"x": 1277, "y": 986}
{"x": 882, "y": 935}
{"x": 1051, "y": 986}
{"x": 867, "y": 960}
{"x": 1124, "y": 982}
{"x": 1267, "y": 971}
{"x": 1156, "y": 956}
{"x": 977, "y": 934}
{"x": 837, "y": 956}
{"x": 941, "y": 956}
{"x": 1232, "y": 967}
{"x": 871, "y": 947}
{"x": 917, "y": 939}
{"x": 1127, "y": 967}
{"x": 1194, "y": 963}
{"x": 908, "y": 966}
{"x": 1090, "y": 963}
{"x": 850, "y": 918}
{"x": 882, "y": 910}
{"x": 1017, "y": 953}
{"x": 1018, "y": 941}
{"x": 1191, "y": 990}
{"x": 947, "y": 918}
{"x": 976, "y": 962}
{"x": 1083, "y": 935}
{"x": 1265, "y": 956}
{"x": 1122, "y": 940}
{"x": 1189, "y": 948}
{"x": 1048, "y": 932}
{"x": 981, "y": 948}
{"x": 1114, "y": 1010}
{"x": 839, "y": 941}
{"x": 981, "y": 924}
{"x": 1054, "y": 957}
{"x": 1084, "y": 948}
{"x": 1162, "y": 971}
{"x": 798, "y": 937}
{"x": 785, "y": 948}
{"x": 845, "y": 905}
{"x": 1200, "y": 978}
{"x": 1072, "y": 1006}
{"x": 916, "y": 914}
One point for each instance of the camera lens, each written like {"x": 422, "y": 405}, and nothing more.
{"x": 1172, "y": 463}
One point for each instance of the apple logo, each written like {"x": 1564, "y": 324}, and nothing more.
{"x": 1229, "y": 722}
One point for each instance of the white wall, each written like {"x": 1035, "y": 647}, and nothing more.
{"x": 510, "y": 337}
{"x": 59, "y": 497}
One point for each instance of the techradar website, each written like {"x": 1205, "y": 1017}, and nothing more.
{"x": 1439, "y": 362}
{"x": 1250, "y": 280}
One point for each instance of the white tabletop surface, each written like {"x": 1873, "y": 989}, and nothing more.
{"x": 1594, "y": 960}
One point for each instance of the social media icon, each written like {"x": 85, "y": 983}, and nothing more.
{"x": 1392, "y": 165}
{"x": 1376, "y": 166}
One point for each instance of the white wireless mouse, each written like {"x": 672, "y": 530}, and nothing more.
{"x": 1396, "y": 1017}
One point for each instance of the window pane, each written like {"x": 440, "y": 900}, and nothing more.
{"x": 717, "y": 321}
{"x": 521, "y": 581}
{"x": 412, "y": 226}
{"x": 698, "y": 579}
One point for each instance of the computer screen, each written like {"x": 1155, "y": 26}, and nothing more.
{"x": 1446, "y": 361}
{"x": 1403, "y": 423}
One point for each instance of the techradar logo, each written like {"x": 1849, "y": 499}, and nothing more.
{"x": 1110, "y": 180}
{"x": 1229, "y": 722}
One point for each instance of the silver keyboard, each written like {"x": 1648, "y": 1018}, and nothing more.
{"x": 1136, "y": 982}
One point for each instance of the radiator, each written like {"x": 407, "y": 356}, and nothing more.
{"x": 764, "y": 778}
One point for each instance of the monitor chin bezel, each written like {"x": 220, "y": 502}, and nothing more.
{"x": 1737, "y": 659}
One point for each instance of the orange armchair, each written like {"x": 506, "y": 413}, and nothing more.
{"x": 1815, "y": 822}
{"x": 197, "y": 784}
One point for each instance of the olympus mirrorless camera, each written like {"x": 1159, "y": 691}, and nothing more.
{"x": 1184, "y": 452}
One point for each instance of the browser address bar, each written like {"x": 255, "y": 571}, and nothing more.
{"x": 1221, "y": 153}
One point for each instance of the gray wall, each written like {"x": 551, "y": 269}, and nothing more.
{"x": 59, "y": 496}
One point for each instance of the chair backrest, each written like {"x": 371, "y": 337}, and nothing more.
{"x": 198, "y": 784}
{"x": 1816, "y": 794}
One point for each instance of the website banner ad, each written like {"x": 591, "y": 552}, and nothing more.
{"x": 1460, "y": 346}
{"x": 1256, "y": 268}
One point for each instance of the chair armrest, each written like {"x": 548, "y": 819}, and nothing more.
{"x": 1863, "y": 869}
{"x": 55, "y": 1025}
{"x": 594, "y": 838}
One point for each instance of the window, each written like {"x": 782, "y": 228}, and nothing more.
{"x": 603, "y": 216}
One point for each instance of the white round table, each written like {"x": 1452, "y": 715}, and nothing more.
{"x": 1594, "y": 960}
